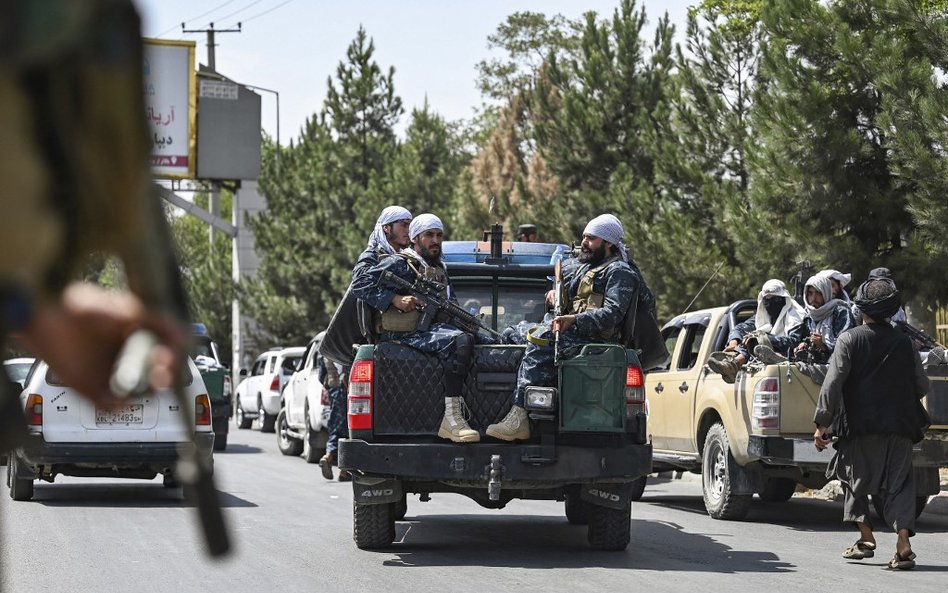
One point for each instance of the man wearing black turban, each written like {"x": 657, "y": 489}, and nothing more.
{"x": 869, "y": 401}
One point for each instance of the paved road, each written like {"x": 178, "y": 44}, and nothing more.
{"x": 292, "y": 532}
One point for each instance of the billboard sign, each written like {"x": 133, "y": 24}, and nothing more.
{"x": 171, "y": 106}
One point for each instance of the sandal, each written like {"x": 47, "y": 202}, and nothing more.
{"x": 902, "y": 562}
{"x": 860, "y": 550}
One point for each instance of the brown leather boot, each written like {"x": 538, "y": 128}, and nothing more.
{"x": 325, "y": 464}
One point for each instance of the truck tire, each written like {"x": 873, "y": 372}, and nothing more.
{"x": 638, "y": 487}
{"x": 311, "y": 453}
{"x": 220, "y": 441}
{"x": 778, "y": 489}
{"x": 373, "y": 525}
{"x": 288, "y": 445}
{"x": 878, "y": 503}
{"x": 716, "y": 463}
{"x": 577, "y": 510}
{"x": 609, "y": 529}
{"x": 20, "y": 488}
{"x": 241, "y": 418}
{"x": 267, "y": 421}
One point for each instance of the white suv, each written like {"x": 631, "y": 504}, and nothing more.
{"x": 258, "y": 395}
{"x": 72, "y": 436}
{"x": 301, "y": 424}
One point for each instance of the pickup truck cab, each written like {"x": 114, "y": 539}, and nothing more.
{"x": 755, "y": 436}
{"x": 588, "y": 442}
{"x": 216, "y": 377}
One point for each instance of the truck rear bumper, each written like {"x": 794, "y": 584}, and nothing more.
{"x": 471, "y": 462}
{"x": 931, "y": 452}
{"x": 35, "y": 451}
{"x": 787, "y": 451}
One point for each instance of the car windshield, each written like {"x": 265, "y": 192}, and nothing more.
{"x": 515, "y": 303}
{"x": 17, "y": 371}
{"x": 201, "y": 348}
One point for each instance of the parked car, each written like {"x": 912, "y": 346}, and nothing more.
{"x": 18, "y": 368}
{"x": 304, "y": 416}
{"x": 260, "y": 391}
{"x": 70, "y": 435}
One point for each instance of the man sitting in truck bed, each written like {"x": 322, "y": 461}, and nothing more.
{"x": 399, "y": 317}
{"x": 598, "y": 288}
{"x": 777, "y": 314}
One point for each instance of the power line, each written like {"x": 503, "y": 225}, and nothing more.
{"x": 239, "y": 10}
{"x": 268, "y": 11}
{"x": 216, "y": 8}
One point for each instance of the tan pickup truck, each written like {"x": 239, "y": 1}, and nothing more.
{"x": 755, "y": 436}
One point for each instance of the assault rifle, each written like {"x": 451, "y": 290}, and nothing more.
{"x": 557, "y": 307}
{"x": 429, "y": 292}
{"x": 925, "y": 341}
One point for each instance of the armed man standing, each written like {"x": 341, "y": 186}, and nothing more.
{"x": 348, "y": 327}
{"x": 598, "y": 288}
{"x": 870, "y": 402}
{"x": 400, "y": 319}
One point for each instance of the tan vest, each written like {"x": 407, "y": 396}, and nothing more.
{"x": 395, "y": 320}
{"x": 587, "y": 300}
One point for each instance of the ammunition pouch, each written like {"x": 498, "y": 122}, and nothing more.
{"x": 394, "y": 320}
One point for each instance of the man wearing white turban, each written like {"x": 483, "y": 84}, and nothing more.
{"x": 389, "y": 235}
{"x": 599, "y": 286}
{"x": 826, "y": 318}
{"x": 777, "y": 314}
{"x": 398, "y": 316}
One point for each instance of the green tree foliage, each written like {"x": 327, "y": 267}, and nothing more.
{"x": 206, "y": 271}
{"x": 847, "y": 173}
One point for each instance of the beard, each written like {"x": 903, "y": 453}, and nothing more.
{"x": 431, "y": 258}
{"x": 593, "y": 257}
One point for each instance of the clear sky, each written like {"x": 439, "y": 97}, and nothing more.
{"x": 293, "y": 46}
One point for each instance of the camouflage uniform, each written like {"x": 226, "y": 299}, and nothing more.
{"x": 618, "y": 282}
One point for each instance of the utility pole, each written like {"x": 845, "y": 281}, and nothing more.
{"x": 215, "y": 197}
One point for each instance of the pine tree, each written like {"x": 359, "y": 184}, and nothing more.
{"x": 844, "y": 163}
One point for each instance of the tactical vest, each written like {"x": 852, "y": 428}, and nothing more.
{"x": 587, "y": 300}
{"x": 395, "y": 320}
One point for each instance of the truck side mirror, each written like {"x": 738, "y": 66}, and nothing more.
{"x": 243, "y": 373}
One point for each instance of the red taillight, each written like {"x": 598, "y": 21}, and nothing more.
{"x": 202, "y": 410}
{"x": 275, "y": 383}
{"x": 227, "y": 387}
{"x": 766, "y": 407}
{"x": 360, "y": 395}
{"x": 324, "y": 397}
{"x": 634, "y": 385}
{"x": 34, "y": 410}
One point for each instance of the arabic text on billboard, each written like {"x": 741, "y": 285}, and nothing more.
{"x": 168, "y": 79}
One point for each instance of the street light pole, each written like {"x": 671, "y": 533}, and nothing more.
{"x": 260, "y": 88}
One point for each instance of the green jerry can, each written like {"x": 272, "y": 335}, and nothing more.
{"x": 592, "y": 389}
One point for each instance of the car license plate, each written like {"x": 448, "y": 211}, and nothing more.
{"x": 128, "y": 414}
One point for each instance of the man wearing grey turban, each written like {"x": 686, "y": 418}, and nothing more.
{"x": 398, "y": 316}
{"x": 389, "y": 236}
{"x": 870, "y": 401}
{"x": 598, "y": 288}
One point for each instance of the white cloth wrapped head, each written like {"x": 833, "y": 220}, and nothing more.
{"x": 389, "y": 215}
{"x": 790, "y": 315}
{"x": 422, "y": 223}
{"x": 822, "y": 284}
{"x": 843, "y": 280}
{"x": 608, "y": 228}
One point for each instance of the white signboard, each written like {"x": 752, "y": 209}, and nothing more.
{"x": 170, "y": 107}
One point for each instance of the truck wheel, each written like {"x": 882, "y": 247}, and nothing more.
{"x": 638, "y": 487}
{"x": 778, "y": 489}
{"x": 878, "y": 503}
{"x": 241, "y": 418}
{"x": 20, "y": 488}
{"x": 401, "y": 507}
{"x": 609, "y": 529}
{"x": 373, "y": 525}
{"x": 716, "y": 462}
{"x": 220, "y": 441}
{"x": 267, "y": 421}
{"x": 287, "y": 444}
{"x": 311, "y": 453}
{"x": 577, "y": 510}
